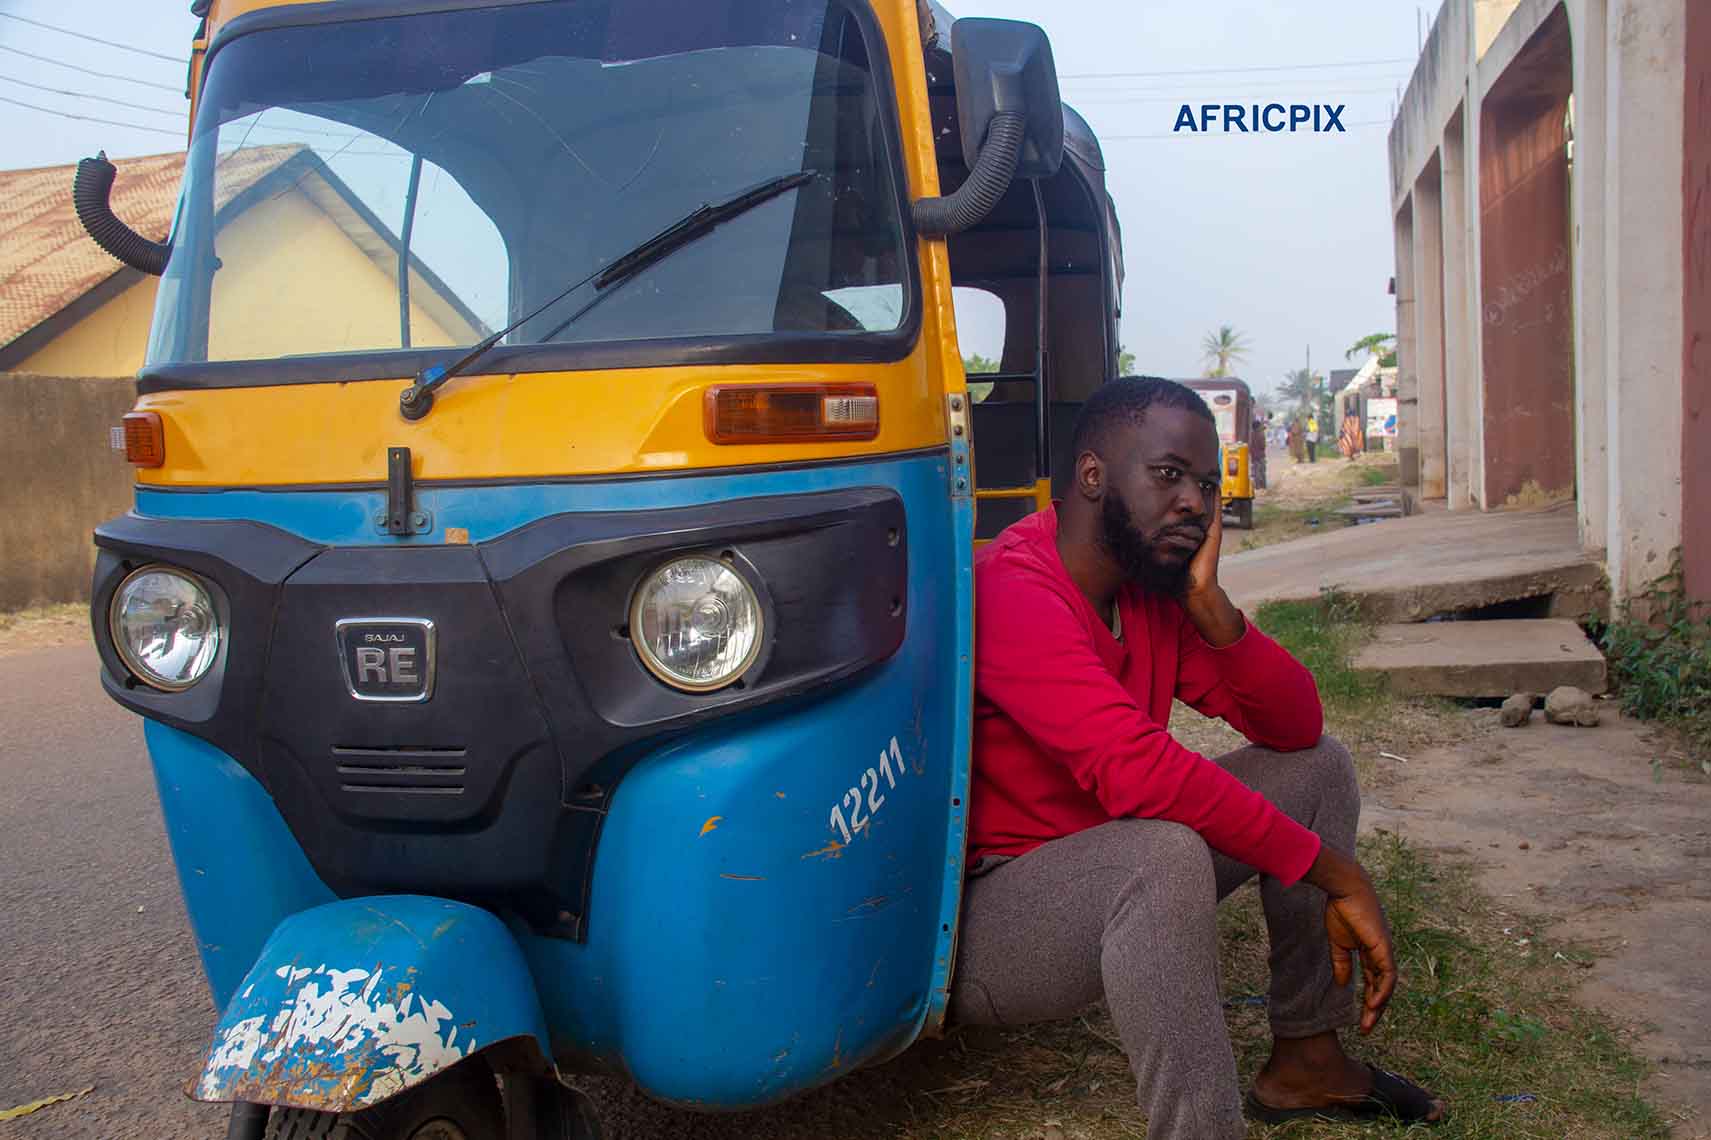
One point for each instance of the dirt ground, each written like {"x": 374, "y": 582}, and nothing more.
{"x": 43, "y": 628}
{"x": 1601, "y": 837}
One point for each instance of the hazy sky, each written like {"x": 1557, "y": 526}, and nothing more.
{"x": 1285, "y": 236}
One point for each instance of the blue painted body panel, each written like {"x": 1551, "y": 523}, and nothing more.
{"x": 738, "y": 949}
{"x": 239, "y": 866}
{"x": 354, "y": 1001}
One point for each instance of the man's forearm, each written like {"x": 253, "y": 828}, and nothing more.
{"x": 1216, "y": 618}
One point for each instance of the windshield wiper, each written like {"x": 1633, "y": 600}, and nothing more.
{"x": 415, "y": 401}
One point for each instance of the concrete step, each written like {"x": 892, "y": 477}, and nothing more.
{"x": 1411, "y": 568}
{"x": 1483, "y": 658}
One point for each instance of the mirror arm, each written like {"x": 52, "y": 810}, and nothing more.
{"x": 986, "y": 183}
{"x": 90, "y": 191}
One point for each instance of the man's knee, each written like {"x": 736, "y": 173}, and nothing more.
{"x": 1335, "y": 768}
{"x": 1168, "y": 864}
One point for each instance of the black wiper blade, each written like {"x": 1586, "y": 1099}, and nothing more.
{"x": 415, "y": 400}
{"x": 697, "y": 224}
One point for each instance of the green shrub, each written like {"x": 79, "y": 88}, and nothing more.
{"x": 1660, "y": 661}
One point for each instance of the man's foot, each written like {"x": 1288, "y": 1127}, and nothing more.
{"x": 1312, "y": 1076}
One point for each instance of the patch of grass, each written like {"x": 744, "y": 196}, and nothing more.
{"x": 1485, "y": 1010}
{"x": 1323, "y": 635}
{"x": 1374, "y": 476}
{"x": 1274, "y": 523}
{"x": 1659, "y": 650}
{"x": 36, "y": 615}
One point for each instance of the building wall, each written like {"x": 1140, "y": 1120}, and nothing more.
{"x": 292, "y": 282}
{"x": 108, "y": 342}
{"x": 1527, "y": 327}
{"x": 1696, "y": 305}
{"x": 1584, "y": 281}
{"x": 63, "y": 480}
{"x": 313, "y": 291}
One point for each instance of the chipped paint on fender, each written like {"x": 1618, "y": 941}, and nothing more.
{"x": 336, "y": 1016}
{"x": 373, "y": 1016}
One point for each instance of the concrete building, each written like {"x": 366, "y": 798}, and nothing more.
{"x": 1550, "y": 170}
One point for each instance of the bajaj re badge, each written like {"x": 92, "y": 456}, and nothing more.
{"x": 387, "y": 659}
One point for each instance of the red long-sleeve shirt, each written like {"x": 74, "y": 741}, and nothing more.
{"x": 1070, "y": 724}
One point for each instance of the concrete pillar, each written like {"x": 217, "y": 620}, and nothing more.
{"x": 1407, "y": 355}
{"x": 1588, "y": 26}
{"x": 1472, "y": 143}
{"x": 1429, "y": 329}
{"x": 1489, "y": 16}
{"x": 1643, "y": 250}
{"x": 1461, "y": 330}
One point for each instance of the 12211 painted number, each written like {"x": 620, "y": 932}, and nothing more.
{"x": 865, "y": 799}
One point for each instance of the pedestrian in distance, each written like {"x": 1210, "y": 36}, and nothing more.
{"x": 1297, "y": 449}
{"x": 1312, "y": 439}
{"x": 1099, "y": 846}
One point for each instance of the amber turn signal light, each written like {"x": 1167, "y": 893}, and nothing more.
{"x": 791, "y": 413}
{"x": 145, "y": 439}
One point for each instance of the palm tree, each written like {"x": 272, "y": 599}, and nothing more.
{"x": 1379, "y": 344}
{"x": 1300, "y": 388}
{"x": 1223, "y": 348}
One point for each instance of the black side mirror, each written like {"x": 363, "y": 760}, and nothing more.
{"x": 1011, "y": 117}
{"x": 1002, "y": 66}
{"x": 90, "y": 189}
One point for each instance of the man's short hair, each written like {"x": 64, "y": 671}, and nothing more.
{"x": 1123, "y": 402}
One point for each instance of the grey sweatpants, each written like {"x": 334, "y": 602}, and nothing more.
{"x": 1127, "y": 911}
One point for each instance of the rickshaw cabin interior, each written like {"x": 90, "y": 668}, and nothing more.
{"x": 1070, "y": 289}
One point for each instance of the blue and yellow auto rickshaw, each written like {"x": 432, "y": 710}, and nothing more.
{"x": 548, "y": 590}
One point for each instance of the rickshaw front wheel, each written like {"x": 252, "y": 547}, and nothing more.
{"x": 1245, "y": 514}
{"x": 461, "y": 1104}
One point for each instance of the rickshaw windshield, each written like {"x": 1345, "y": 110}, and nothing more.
{"x": 414, "y": 183}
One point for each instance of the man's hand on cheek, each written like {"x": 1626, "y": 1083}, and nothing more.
{"x": 1220, "y": 623}
{"x": 1203, "y": 569}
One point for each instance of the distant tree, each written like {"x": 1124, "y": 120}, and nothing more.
{"x": 1125, "y": 362}
{"x": 1301, "y": 390}
{"x": 974, "y": 362}
{"x": 1379, "y": 344}
{"x": 1222, "y": 348}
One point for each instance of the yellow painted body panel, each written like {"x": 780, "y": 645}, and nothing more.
{"x": 560, "y": 423}
{"x": 540, "y": 424}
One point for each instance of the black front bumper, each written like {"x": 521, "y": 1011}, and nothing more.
{"x": 492, "y": 791}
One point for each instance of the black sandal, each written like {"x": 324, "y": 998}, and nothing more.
{"x": 1391, "y": 1096}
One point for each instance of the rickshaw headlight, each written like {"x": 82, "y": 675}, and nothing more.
{"x": 164, "y": 627}
{"x": 696, "y": 623}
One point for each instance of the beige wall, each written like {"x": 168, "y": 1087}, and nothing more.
{"x": 108, "y": 342}
{"x": 65, "y": 479}
{"x": 293, "y": 282}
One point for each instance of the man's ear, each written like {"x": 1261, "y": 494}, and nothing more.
{"x": 1090, "y": 476}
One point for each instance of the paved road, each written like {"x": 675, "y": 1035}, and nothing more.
{"x": 99, "y": 983}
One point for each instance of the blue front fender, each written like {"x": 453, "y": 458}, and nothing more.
{"x": 353, "y": 1002}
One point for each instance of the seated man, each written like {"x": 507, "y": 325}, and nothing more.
{"x": 1099, "y": 847}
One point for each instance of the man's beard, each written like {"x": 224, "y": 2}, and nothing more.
{"x": 1142, "y": 560}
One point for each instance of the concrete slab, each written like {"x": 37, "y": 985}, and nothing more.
{"x": 1409, "y": 569}
{"x": 1483, "y": 658}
